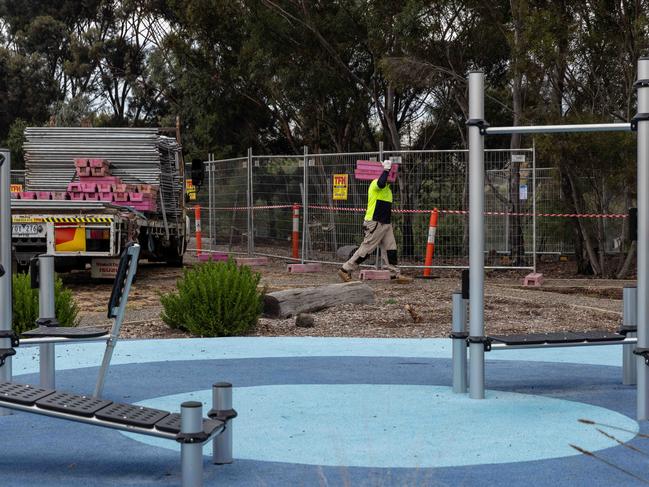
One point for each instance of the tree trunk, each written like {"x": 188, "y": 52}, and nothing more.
{"x": 284, "y": 304}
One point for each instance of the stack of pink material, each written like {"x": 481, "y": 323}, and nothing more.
{"x": 369, "y": 170}
{"x": 97, "y": 184}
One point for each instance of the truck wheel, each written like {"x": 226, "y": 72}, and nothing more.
{"x": 175, "y": 253}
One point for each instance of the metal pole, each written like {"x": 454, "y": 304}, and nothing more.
{"x": 191, "y": 454}
{"x": 210, "y": 203}
{"x": 534, "y": 204}
{"x": 629, "y": 322}
{"x": 643, "y": 237}
{"x": 305, "y": 205}
{"x": 555, "y": 129}
{"x": 46, "y": 312}
{"x": 6, "y": 311}
{"x": 377, "y": 261}
{"x": 251, "y": 226}
{"x": 476, "y": 236}
{"x": 459, "y": 343}
{"x": 222, "y": 402}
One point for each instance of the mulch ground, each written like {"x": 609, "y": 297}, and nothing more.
{"x": 419, "y": 309}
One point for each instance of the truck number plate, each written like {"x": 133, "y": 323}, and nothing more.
{"x": 28, "y": 230}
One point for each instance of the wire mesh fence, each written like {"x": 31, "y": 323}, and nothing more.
{"x": 250, "y": 202}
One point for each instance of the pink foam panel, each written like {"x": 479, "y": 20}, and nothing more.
{"x": 74, "y": 196}
{"x": 106, "y": 196}
{"x": 44, "y": 195}
{"x": 81, "y": 162}
{"x": 28, "y": 195}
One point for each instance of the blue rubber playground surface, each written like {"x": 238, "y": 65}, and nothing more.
{"x": 329, "y": 411}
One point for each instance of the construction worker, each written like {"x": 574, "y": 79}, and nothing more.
{"x": 378, "y": 230}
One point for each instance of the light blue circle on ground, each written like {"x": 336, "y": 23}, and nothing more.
{"x": 407, "y": 426}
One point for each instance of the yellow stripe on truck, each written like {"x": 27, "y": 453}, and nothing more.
{"x": 78, "y": 219}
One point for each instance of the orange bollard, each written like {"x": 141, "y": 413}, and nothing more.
{"x": 197, "y": 217}
{"x": 430, "y": 247}
{"x": 295, "y": 239}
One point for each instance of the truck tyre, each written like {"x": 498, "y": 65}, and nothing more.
{"x": 175, "y": 253}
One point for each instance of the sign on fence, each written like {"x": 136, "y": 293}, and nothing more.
{"x": 16, "y": 188}
{"x": 341, "y": 183}
{"x": 190, "y": 189}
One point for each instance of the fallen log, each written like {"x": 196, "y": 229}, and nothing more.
{"x": 284, "y": 304}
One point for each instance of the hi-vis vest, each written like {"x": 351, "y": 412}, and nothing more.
{"x": 379, "y": 203}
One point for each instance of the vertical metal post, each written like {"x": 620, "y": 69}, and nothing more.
{"x": 305, "y": 205}
{"x": 222, "y": 403}
{"x": 191, "y": 454}
{"x": 6, "y": 311}
{"x": 534, "y": 204}
{"x": 643, "y": 237}
{"x": 377, "y": 260}
{"x": 459, "y": 343}
{"x": 250, "y": 199}
{"x": 630, "y": 324}
{"x": 476, "y": 236}
{"x": 46, "y": 312}
{"x": 210, "y": 222}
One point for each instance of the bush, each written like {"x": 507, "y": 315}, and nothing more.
{"x": 214, "y": 299}
{"x": 25, "y": 304}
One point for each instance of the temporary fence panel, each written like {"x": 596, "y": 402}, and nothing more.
{"x": 277, "y": 184}
{"x": 226, "y": 206}
{"x": 332, "y": 205}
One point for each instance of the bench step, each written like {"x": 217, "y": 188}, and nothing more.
{"x": 22, "y": 393}
{"x": 131, "y": 415}
{"x": 72, "y": 404}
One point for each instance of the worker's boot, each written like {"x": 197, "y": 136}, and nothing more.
{"x": 401, "y": 279}
{"x": 344, "y": 275}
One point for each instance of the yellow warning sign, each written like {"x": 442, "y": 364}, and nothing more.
{"x": 16, "y": 188}
{"x": 190, "y": 189}
{"x": 341, "y": 184}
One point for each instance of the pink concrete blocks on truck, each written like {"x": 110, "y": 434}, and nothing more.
{"x": 304, "y": 268}
{"x": 28, "y": 195}
{"x": 106, "y": 196}
{"x": 59, "y": 195}
{"x": 533, "y": 279}
{"x": 75, "y": 196}
{"x": 369, "y": 170}
{"x": 252, "y": 261}
{"x": 99, "y": 171}
{"x": 75, "y": 188}
{"x": 99, "y": 163}
{"x": 375, "y": 275}
{"x": 44, "y": 195}
{"x": 83, "y": 172}
{"x": 88, "y": 187}
{"x": 81, "y": 163}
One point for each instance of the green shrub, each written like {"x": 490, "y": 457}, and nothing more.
{"x": 25, "y": 304}
{"x": 214, "y": 299}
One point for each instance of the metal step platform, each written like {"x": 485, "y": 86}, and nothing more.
{"x": 563, "y": 339}
{"x": 65, "y": 332}
{"x": 109, "y": 414}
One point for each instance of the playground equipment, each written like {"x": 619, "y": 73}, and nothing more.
{"x": 189, "y": 428}
{"x": 478, "y": 343}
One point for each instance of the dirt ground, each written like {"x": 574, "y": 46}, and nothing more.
{"x": 562, "y": 304}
